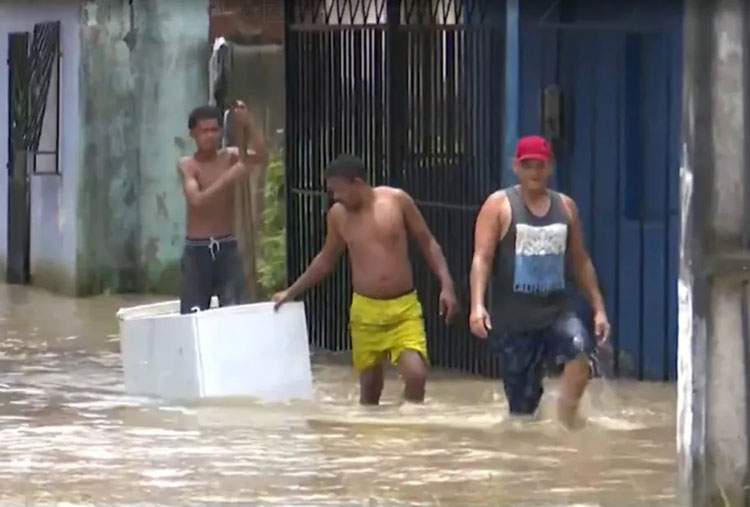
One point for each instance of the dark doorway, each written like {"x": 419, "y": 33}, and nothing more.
{"x": 19, "y": 216}
{"x": 31, "y": 60}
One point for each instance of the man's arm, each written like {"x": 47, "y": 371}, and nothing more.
{"x": 325, "y": 262}
{"x": 583, "y": 268}
{"x": 428, "y": 245}
{"x": 487, "y": 232}
{"x": 193, "y": 193}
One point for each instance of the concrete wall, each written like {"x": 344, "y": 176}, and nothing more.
{"x": 713, "y": 340}
{"x": 108, "y": 206}
{"x": 143, "y": 68}
{"x": 114, "y": 219}
{"x": 173, "y": 52}
{"x": 53, "y": 198}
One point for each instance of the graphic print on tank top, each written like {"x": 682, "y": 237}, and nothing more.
{"x": 540, "y": 258}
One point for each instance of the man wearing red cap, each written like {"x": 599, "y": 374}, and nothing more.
{"x": 527, "y": 236}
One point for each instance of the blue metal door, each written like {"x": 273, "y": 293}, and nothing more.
{"x": 618, "y": 72}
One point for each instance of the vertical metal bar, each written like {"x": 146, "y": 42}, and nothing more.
{"x": 318, "y": 85}
{"x": 439, "y": 216}
{"x": 305, "y": 184}
{"x": 416, "y": 67}
{"x": 351, "y": 104}
{"x": 304, "y": 110}
{"x": 360, "y": 43}
{"x": 466, "y": 233}
{"x": 641, "y": 208}
{"x": 58, "y": 76}
{"x": 332, "y": 85}
{"x": 290, "y": 141}
{"x": 480, "y": 174}
{"x": 300, "y": 217}
{"x": 314, "y": 206}
{"x": 394, "y": 72}
{"x": 411, "y": 93}
{"x": 323, "y": 297}
{"x": 347, "y": 110}
{"x": 469, "y": 59}
{"x": 364, "y": 54}
{"x": 378, "y": 125}
{"x": 474, "y": 174}
{"x": 336, "y": 71}
{"x": 619, "y": 156}
{"x": 369, "y": 131}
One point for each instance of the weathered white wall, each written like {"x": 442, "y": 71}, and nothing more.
{"x": 712, "y": 434}
{"x": 172, "y": 54}
{"x": 53, "y": 198}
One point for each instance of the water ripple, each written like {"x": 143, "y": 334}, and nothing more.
{"x": 69, "y": 434}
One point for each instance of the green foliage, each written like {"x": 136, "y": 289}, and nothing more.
{"x": 272, "y": 255}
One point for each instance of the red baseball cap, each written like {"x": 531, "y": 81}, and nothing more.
{"x": 533, "y": 147}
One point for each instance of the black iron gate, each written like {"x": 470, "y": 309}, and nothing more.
{"x": 415, "y": 88}
{"x": 29, "y": 74}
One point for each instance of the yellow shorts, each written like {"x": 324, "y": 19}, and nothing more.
{"x": 385, "y": 328}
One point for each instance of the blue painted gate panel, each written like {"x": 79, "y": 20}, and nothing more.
{"x": 618, "y": 67}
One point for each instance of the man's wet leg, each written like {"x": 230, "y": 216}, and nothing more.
{"x": 230, "y": 279}
{"x": 569, "y": 339}
{"x": 371, "y": 384}
{"x": 575, "y": 378}
{"x": 412, "y": 368}
{"x": 197, "y": 272}
{"x": 522, "y": 360}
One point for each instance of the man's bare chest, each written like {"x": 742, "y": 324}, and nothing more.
{"x": 374, "y": 229}
{"x": 209, "y": 172}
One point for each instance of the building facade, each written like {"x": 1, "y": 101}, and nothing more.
{"x": 44, "y": 239}
{"x": 97, "y": 204}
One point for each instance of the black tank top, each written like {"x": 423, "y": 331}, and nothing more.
{"x": 530, "y": 272}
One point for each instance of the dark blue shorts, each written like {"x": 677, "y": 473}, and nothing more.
{"x": 526, "y": 356}
{"x": 211, "y": 267}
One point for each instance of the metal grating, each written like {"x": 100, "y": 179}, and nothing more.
{"x": 359, "y": 14}
{"x": 416, "y": 90}
{"x": 45, "y": 51}
{"x": 309, "y": 13}
{"x": 442, "y": 13}
{"x": 30, "y": 73}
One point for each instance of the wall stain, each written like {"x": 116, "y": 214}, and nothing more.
{"x": 151, "y": 250}
{"x": 180, "y": 144}
{"x": 130, "y": 197}
{"x": 161, "y": 205}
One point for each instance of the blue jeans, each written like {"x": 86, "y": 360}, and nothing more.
{"x": 525, "y": 355}
{"x": 211, "y": 267}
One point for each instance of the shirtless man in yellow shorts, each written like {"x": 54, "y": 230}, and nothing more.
{"x": 385, "y": 319}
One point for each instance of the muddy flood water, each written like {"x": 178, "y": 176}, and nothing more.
{"x": 69, "y": 434}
